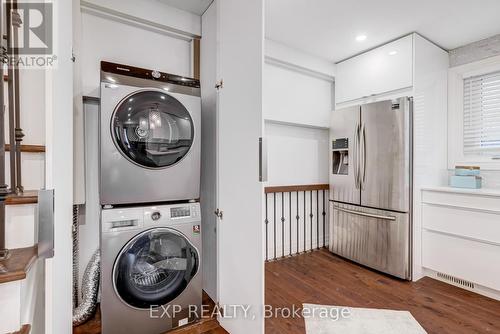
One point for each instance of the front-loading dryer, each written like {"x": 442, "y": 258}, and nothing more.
{"x": 149, "y": 136}
{"x": 151, "y": 277}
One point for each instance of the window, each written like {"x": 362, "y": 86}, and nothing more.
{"x": 474, "y": 114}
{"x": 481, "y": 114}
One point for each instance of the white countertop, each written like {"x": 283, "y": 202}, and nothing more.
{"x": 479, "y": 192}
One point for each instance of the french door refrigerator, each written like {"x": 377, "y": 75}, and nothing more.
{"x": 371, "y": 185}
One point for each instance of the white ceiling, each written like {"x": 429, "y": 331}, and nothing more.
{"x": 328, "y": 28}
{"x": 197, "y": 7}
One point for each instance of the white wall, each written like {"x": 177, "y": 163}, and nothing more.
{"x": 296, "y": 155}
{"x": 298, "y": 87}
{"x": 154, "y": 11}
{"x": 104, "y": 39}
{"x": 298, "y": 58}
{"x": 294, "y": 97}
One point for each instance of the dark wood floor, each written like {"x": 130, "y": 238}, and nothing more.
{"x": 203, "y": 326}
{"x": 320, "y": 277}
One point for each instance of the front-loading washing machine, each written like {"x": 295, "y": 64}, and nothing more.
{"x": 151, "y": 280}
{"x": 149, "y": 136}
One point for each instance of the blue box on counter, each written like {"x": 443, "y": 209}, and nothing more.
{"x": 468, "y": 181}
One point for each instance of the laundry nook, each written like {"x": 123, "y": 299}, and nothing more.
{"x": 250, "y": 167}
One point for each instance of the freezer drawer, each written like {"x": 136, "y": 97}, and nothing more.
{"x": 375, "y": 238}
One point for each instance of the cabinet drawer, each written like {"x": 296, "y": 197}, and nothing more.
{"x": 384, "y": 69}
{"x": 474, "y": 224}
{"x": 469, "y": 201}
{"x": 470, "y": 260}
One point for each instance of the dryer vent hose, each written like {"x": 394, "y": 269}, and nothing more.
{"x": 90, "y": 289}
{"x": 74, "y": 233}
{"x": 84, "y": 310}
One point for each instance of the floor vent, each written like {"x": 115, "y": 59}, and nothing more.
{"x": 456, "y": 280}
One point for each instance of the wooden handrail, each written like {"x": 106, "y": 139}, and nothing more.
{"x": 26, "y": 197}
{"x": 302, "y": 187}
{"x": 28, "y": 148}
{"x": 18, "y": 264}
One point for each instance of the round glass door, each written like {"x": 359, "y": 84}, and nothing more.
{"x": 152, "y": 129}
{"x": 154, "y": 268}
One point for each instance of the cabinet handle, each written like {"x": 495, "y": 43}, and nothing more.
{"x": 262, "y": 160}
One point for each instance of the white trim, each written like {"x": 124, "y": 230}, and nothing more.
{"x": 394, "y": 94}
{"x": 296, "y": 68}
{"x": 301, "y": 125}
{"x": 135, "y": 21}
{"x": 474, "y": 192}
{"x": 456, "y": 75}
{"x": 454, "y": 235}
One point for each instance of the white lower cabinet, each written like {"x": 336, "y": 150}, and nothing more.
{"x": 461, "y": 235}
{"x": 470, "y": 260}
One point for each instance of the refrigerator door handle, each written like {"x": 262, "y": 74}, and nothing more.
{"x": 365, "y": 214}
{"x": 355, "y": 157}
{"x": 362, "y": 176}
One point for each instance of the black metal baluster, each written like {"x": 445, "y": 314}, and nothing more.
{"x": 282, "y": 224}
{"x": 324, "y": 218}
{"x": 290, "y": 222}
{"x": 274, "y": 223}
{"x": 311, "y": 216}
{"x": 317, "y": 219}
{"x": 298, "y": 218}
{"x": 304, "y": 221}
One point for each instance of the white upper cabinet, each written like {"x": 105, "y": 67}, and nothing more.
{"x": 382, "y": 70}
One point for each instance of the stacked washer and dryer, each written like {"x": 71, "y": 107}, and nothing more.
{"x": 149, "y": 190}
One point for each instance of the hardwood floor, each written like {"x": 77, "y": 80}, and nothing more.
{"x": 203, "y": 326}
{"x": 320, "y": 277}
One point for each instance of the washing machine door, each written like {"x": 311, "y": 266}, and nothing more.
{"x": 152, "y": 129}
{"x": 154, "y": 268}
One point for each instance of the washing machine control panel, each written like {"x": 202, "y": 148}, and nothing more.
{"x": 180, "y": 212}
{"x": 172, "y": 214}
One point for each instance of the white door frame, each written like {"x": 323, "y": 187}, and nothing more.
{"x": 59, "y": 172}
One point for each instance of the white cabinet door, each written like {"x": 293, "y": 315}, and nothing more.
{"x": 381, "y": 70}
{"x": 208, "y": 189}
{"x": 240, "y": 232}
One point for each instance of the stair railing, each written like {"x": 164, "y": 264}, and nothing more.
{"x": 295, "y": 219}
{"x": 9, "y": 56}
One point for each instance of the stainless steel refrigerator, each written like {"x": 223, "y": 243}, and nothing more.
{"x": 371, "y": 185}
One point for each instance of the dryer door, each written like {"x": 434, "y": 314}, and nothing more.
{"x": 154, "y": 268}
{"x": 152, "y": 129}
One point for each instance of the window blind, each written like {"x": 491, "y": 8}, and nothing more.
{"x": 482, "y": 114}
